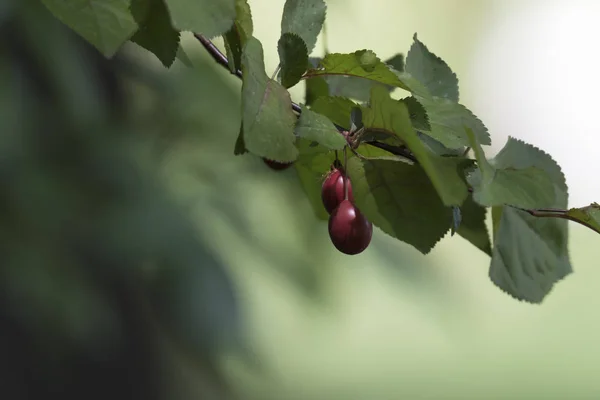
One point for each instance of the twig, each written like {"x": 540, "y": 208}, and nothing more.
{"x": 557, "y": 213}
{"x": 221, "y": 59}
{"x": 276, "y": 72}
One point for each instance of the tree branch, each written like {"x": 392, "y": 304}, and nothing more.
{"x": 221, "y": 59}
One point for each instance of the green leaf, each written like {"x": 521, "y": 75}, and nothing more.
{"x": 156, "y": 34}
{"x": 400, "y": 200}
{"x": 432, "y": 71}
{"x": 235, "y": 38}
{"x": 503, "y": 182}
{"x": 389, "y": 115}
{"x": 588, "y": 216}
{"x": 473, "y": 227}
{"x": 312, "y": 165}
{"x": 208, "y": 17}
{"x": 364, "y": 64}
{"x": 358, "y": 88}
{"x": 318, "y": 128}
{"x": 305, "y": 18}
{"x": 496, "y": 216}
{"x": 337, "y": 109}
{"x": 293, "y": 58}
{"x": 530, "y": 254}
{"x": 446, "y": 118}
{"x": 447, "y": 121}
{"x": 240, "y": 146}
{"x": 106, "y": 24}
{"x": 436, "y": 147}
{"x": 267, "y": 114}
{"x": 420, "y": 121}
{"x": 361, "y": 64}
{"x": 243, "y": 20}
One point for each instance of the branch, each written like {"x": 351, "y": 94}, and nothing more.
{"x": 557, "y": 213}
{"x": 221, "y": 59}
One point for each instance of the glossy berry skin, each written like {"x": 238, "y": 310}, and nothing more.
{"x": 349, "y": 230}
{"x": 277, "y": 166}
{"x": 332, "y": 191}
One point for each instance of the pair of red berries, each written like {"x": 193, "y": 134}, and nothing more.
{"x": 349, "y": 230}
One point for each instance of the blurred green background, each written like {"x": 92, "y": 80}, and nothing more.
{"x": 141, "y": 259}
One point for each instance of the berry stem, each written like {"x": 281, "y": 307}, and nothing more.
{"x": 344, "y": 173}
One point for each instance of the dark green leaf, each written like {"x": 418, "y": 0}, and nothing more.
{"x": 315, "y": 88}
{"x": 396, "y": 62}
{"x": 349, "y": 86}
{"x": 155, "y": 34}
{"x": 304, "y": 18}
{"x": 530, "y": 254}
{"x": 106, "y": 24}
{"x": 588, "y": 216}
{"x": 337, "y": 109}
{"x": 208, "y": 17}
{"x": 235, "y": 38}
{"x": 391, "y": 116}
{"x": 400, "y": 200}
{"x": 267, "y": 114}
{"x": 432, "y": 71}
{"x": 356, "y": 119}
{"x": 503, "y": 182}
{"x": 473, "y": 227}
{"x": 317, "y": 127}
{"x": 293, "y": 58}
{"x": 418, "y": 114}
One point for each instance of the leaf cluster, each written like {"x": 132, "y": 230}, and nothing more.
{"x": 411, "y": 169}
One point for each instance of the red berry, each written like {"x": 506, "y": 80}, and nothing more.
{"x": 349, "y": 230}
{"x": 277, "y": 166}
{"x": 332, "y": 191}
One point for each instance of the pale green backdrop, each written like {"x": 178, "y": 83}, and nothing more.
{"x": 392, "y": 323}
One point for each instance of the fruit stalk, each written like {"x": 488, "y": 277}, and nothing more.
{"x": 345, "y": 173}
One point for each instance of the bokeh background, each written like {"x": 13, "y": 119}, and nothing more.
{"x": 141, "y": 259}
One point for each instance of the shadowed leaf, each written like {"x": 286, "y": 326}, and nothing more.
{"x": 293, "y": 58}
{"x": 304, "y": 18}
{"x": 267, "y": 115}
